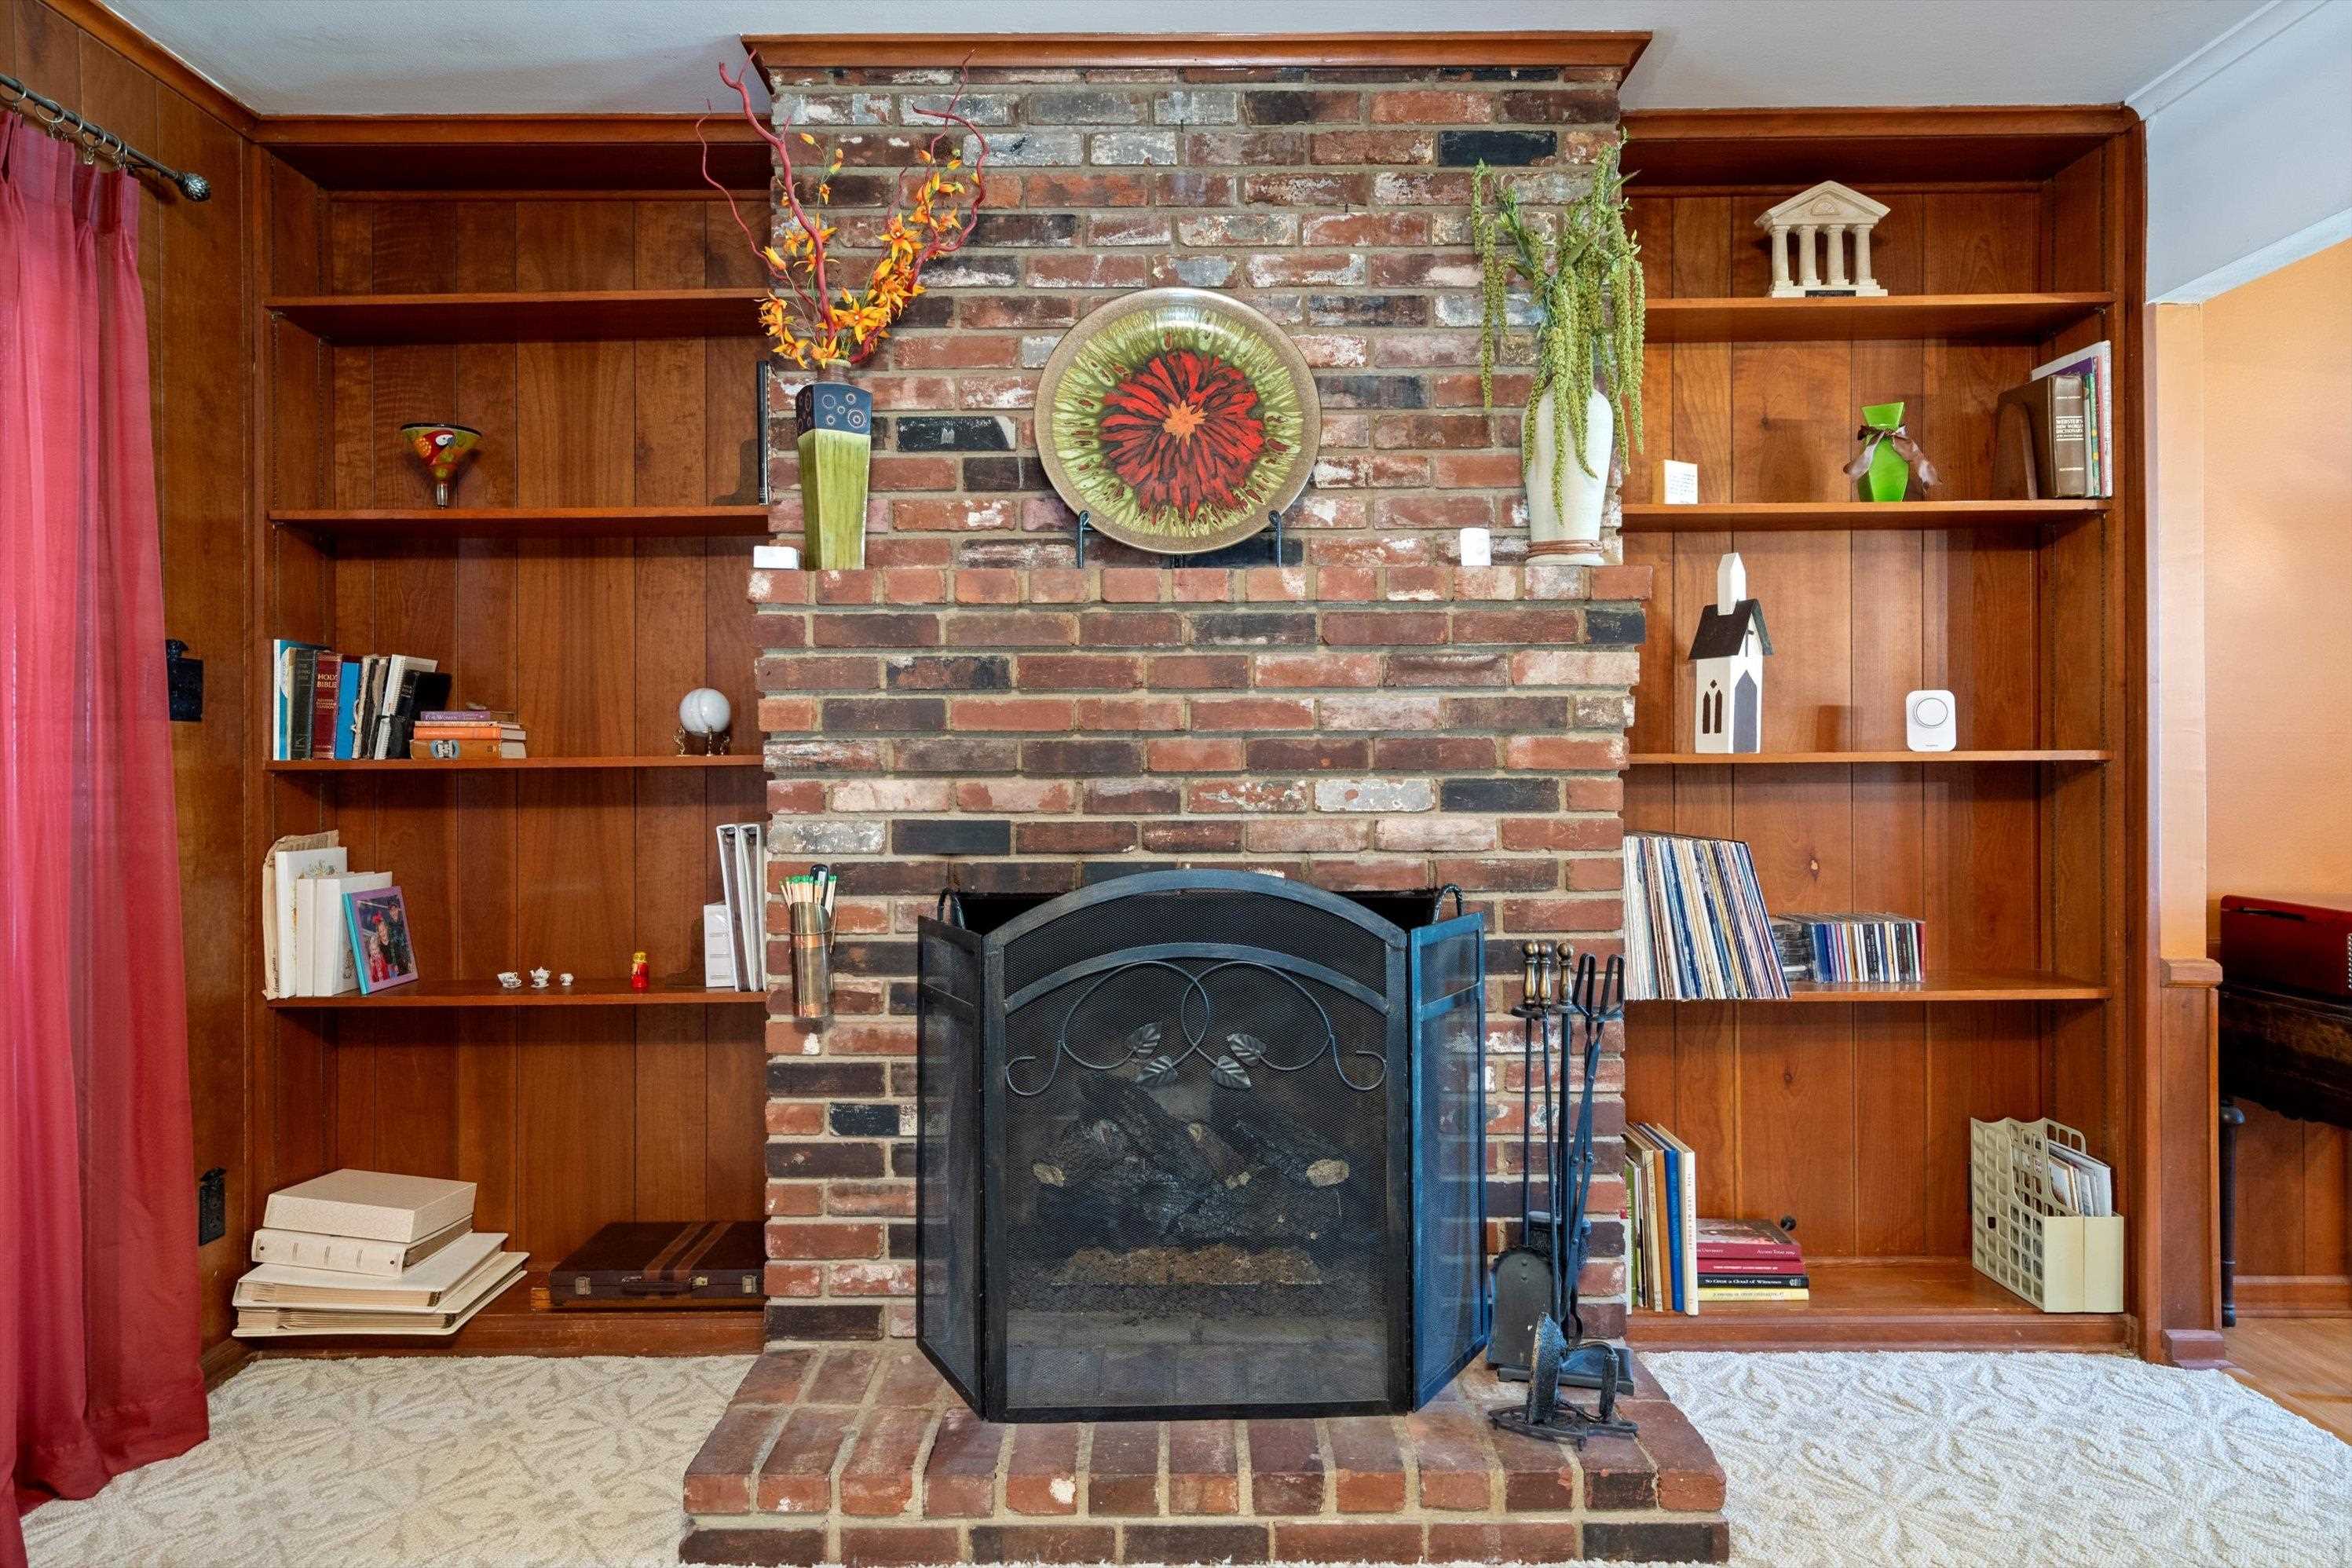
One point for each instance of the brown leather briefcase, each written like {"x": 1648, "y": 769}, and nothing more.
{"x": 664, "y": 1263}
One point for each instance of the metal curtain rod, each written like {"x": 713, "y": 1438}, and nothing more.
{"x": 60, "y": 121}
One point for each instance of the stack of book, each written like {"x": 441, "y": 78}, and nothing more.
{"x": 326, "y": 929}
{"x": 1875, "y": 949}
{"x": 1696, "y": 925}
{"x": 1662, "y": 1219}
{"x": 1751, "y": 1260}
{"x": 350, "y": 706}
{"x": 450, "y": 735}
{"x": 367, "y": 1252}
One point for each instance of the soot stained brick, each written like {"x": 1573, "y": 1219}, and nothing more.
{"x": 1462, "y": 149}
{"x": 952, "y": 837}
{"x": 954, "y": 433}
{"x": 1499, "y": 795}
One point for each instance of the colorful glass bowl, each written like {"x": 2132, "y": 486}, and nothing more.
{"x": 443, "y": 450}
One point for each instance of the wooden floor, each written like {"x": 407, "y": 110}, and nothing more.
{"x": 1894, "y": 1304}
{"x": 2304, "y": 1364}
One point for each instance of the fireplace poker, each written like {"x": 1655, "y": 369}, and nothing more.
{"x": 1524, "y": 1280}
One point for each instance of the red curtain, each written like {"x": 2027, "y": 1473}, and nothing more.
{"x": 99, "y": 1344}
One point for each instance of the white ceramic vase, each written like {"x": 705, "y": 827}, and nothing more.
{"x": 1571, "y": 534}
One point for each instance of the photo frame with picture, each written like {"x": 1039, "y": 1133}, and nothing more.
{"x": 382, "y": 949}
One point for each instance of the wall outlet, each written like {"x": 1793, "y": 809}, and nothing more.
{"x": 212, "y": 1205}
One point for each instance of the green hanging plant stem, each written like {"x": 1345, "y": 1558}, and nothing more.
{"x": 1583, "y": 274}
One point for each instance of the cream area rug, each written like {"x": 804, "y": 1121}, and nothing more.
{"x": 1862, "y": 1460}
{"x": 1879, "y": 1461}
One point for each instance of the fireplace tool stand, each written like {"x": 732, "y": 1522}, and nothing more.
{"x": 1596, "y": 1000}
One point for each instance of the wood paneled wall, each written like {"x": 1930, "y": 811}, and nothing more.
{"x": 1855, "y": 1120}
{"x": 195, "y": 265}
{"x": 572, "y": 1117}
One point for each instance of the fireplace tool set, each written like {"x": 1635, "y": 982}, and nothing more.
{"x": 1536, "y": 1281}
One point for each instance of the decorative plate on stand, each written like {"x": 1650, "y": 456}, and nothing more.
{"x": 1179, "y": 420}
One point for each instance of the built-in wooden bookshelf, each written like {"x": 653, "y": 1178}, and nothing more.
{"x": 2011, "y": 236}
{"x": 1852, "y": 517}
{"x": 601, "y": 331}
{"x": 597, "y": 993}
{"x": 508, "y": 316}
{"x": 1883, "y": 1303}
{"x": 2077, "y": 755}
{"x": 1950, "y": 318}
{"x": 413, "y": 765}
{"x": 1942, "y": 986}
{"x": 412, "y": 525}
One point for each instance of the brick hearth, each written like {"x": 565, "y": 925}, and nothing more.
{"x": 863, "y": 1455}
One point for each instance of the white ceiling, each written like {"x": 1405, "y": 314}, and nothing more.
{"x": 515, "y": 56}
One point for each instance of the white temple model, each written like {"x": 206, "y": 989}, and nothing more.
{"x": 1833, "y": 211}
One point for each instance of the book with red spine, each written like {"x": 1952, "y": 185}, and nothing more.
{"x": 1747, "y": 1242}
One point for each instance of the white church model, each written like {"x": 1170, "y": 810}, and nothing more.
{"x": 1727, "y": 664}
{"x": 1833, "y": 211}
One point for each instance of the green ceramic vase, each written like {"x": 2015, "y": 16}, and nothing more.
{"x": 1889, "y": 477}
{"x": 836, "y": 424}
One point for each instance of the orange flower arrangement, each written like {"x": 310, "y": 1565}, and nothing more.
{"x": 812, "y": 325}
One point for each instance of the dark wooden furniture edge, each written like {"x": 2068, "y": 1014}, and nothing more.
{"x": 1617, "y": 50}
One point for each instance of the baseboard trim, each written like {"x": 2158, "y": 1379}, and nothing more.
{"x": 222, "y": 1361}
{"x": 2293, "y": 1295}
{"x": 2195, "y": 1350}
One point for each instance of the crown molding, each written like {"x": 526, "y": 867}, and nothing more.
{"x": 2187, "y": 76}
{"x": 153, "y": 57}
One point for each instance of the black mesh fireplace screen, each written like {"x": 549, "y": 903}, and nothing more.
{"x": 1199, "y": 1144}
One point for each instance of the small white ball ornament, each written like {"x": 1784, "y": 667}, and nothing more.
{"x": 704, "y": 711}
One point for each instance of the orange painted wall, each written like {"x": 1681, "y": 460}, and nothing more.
{"x": 2277, "y": 503}
{"x": 2278, "y": 583}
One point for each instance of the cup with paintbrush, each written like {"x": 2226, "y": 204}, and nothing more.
{"x": 809, "y": 898}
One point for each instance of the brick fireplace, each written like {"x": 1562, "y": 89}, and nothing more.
{"x": 978, "y": 710}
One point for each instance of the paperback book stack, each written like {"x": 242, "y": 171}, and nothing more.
{"x": 369, "y": 1252}
{"x": 1662, "y": 1219}
{"x": 1696, "y": 926}
{"x": 466, "y": 735}
{"x": 1882, "y": 950}
{"x": 1751, "y": 1260}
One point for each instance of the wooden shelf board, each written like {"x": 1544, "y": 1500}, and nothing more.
{"x": 361, "y": 318}
{"x": 1788, "y": 148}
{"x": 1857, "y": 517}
{"x": 1954, "y": 986}
{"x": 1945, "y": 316}
{"x": 1891, "y": 1304}
{"x": 591, "y": 154}
{"x": 512, "y": 764}
{"x": 587, "y": 993}
{"x": 1833, "y": 758}
{"x": 427, "y": 523}
{"x": 521, "y": 1322}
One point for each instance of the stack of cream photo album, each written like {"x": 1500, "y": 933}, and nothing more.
{"x": 371, "y": 1252}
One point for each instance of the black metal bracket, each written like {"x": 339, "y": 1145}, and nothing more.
{"x": 1085, "y": 527}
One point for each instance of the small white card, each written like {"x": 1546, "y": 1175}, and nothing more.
{"x": 777, "y": 558}
{"x": 1680, "y": 483}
